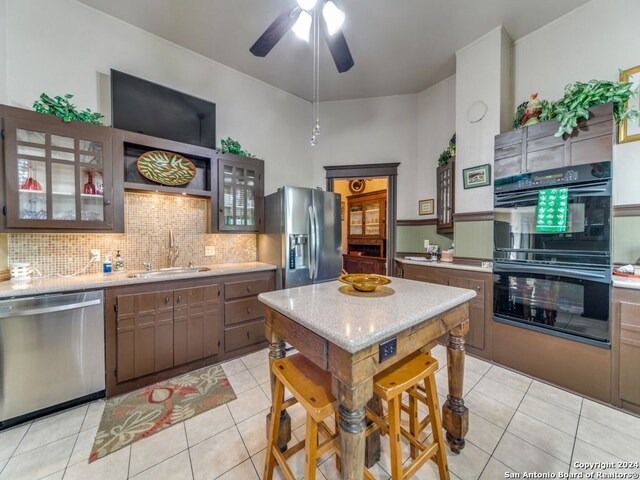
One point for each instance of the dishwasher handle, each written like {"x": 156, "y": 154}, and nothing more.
{"x": 7, "y": 312}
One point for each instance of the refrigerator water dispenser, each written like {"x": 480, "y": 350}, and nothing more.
{"x": 298, "y": 251}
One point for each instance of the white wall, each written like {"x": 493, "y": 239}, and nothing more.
{"x": 410, "y": 129}
{"x": 3, "y": 51}
{"x": 60, "y": 46}
{"x": 480, "y": 77}
{"x": 592, "y": 42}
{"x": 436, "y": 125}
{"x": 372, "y": 130}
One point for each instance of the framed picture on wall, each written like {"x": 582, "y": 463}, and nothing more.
{"x": 479, "y": 176}
{"x": 629, "y": 131}
{"x": 425, "y": 207}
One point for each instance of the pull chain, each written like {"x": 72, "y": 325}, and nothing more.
{"x": 315, "y": 131}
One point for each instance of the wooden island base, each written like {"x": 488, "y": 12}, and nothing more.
{"x": 353, "y": 377}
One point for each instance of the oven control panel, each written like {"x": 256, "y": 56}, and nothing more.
{"x": 551, "y": 178}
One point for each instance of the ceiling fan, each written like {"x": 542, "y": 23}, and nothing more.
{"x": 298, "y": 18}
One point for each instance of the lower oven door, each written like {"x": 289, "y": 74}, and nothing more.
{"x": 566, "y": 301}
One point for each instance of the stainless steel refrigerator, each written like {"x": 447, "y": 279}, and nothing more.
{"x": 302, "y": 236}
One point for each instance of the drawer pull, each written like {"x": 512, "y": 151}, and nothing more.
{"x": 179, "y": 298}
{"x": 248, "y": 288}
{"x": 166, "y": 300}
{"x": 478, "y": 288}
{"x": 248, "y": 309}
{"x": 248, "y": 335}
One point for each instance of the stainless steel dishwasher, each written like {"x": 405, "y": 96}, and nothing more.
{"x": 51, "y": 353}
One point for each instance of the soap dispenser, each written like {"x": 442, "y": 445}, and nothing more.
{"x": 118, "y": 262}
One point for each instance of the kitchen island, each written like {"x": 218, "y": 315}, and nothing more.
{"x": 341, "y": 331}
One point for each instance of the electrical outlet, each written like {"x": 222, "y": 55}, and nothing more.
{"x": 388, "y": 349}
{"x": 95, "y": 254}
{"x": 426, "y": 244}
{"x": 209, "y": 251}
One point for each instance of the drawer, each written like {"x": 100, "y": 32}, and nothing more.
{"x": 239, "y": 311}
{"x": 246, "y": 288}
{"x": 244, "y": 335}
{"x": 477, "y": 286}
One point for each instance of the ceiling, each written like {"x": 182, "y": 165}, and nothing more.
{"x": 399, "y": 46}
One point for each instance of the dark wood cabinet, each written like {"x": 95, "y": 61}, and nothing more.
{"x": 195, "y": 318}
{"x": 58, "y": 176}
{"x": 478, "y": 340}
{"x": 367, "y": 233}
{"x": 240, "y": 200}
{"x": 626, "y": 348}
{"x": 359, "y": 264}
{"x": 244, "y": 313}
{"x": 445, "y": 196}
{"x": 536, "y": 148}
{"x": 155, "y": 331}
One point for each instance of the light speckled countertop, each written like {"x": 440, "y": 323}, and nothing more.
{"x": 353, "y": 322}
{"x": 625, "y": 282}
{"x": 455, "y": 266}
{"x": 37, "y": 286}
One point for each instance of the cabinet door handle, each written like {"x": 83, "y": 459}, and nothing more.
{"x": 478, "y": 288}
{"x": 178, "y": 299}
{"x": 248, "y": 309}
{"x": 248, "y": 288}
{"x": 248, "y": 335}
{"x": 166, "y": 300}
{"x": 107, "y": 202}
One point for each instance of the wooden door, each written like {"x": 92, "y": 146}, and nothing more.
{"x": 144, "y": 334}
{"x": 195, "y": 323}
{"x": 445, "y": 195}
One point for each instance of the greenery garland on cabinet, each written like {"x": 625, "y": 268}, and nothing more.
{"x": 448, "y": 153}
{"x": 578, "y": 98}
{"x": 63, "y": 108}
{"x": 233, "y": 146}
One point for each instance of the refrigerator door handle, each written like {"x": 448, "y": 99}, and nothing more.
{"x": 312, "y": 243}
{"x": 316, "y": 243}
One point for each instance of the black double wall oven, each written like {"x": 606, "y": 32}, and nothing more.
{"x": 555, "y": 280}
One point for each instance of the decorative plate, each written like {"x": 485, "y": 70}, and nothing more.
{"x": 166, "y": 168}
{"x": 357, "y": 186}
{"x": 364, "y": 282}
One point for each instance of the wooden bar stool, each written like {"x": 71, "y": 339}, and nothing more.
{"x": 390, "y": 384}
{"x": 311, "y": 387}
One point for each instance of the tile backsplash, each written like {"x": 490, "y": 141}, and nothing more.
{"x": 148, "y": 218}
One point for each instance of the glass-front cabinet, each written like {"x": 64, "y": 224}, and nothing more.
{"x": 58, "y": 175}
{"x": 367, "y": 214}
{"x": 240, "y": 193}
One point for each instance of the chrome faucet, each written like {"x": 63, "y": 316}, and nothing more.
{"x": 173, "y": 250}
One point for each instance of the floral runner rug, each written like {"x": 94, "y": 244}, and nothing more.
{"x": 130, "y": 417}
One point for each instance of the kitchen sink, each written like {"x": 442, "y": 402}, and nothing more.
{"x": 163, "y": 272}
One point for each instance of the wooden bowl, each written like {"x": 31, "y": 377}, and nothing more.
{"x": 364, "y": 282}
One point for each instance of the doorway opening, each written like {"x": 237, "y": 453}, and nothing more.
{"x": 368, "y": 215}
{"x": 364, "y": 221}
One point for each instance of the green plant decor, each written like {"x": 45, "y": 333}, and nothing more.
{"x": 232, "y": 146}
{"x": 63, "y": 108}
{"x": 518, "y": 115}
{"x": 579, "y": 97}
{"x": 447, "y": 154}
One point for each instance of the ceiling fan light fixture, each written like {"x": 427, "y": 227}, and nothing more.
{"x": 307, "y": 4}
{"x": 333, "y": 16}
{"x": 302, "y": 27}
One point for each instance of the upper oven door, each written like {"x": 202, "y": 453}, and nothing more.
{"x": 586, "y": 240}
{"x": 564, "y": 301}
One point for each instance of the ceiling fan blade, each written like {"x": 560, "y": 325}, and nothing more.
{"x": 275, "y": 31}
{"x": 338, "y": 48}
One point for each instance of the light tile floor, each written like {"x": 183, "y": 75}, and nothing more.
{"x": 516, "y": 425}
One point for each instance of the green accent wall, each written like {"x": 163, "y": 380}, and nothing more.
{"x": 626, "y": 239}
{"x": 474, "y": 239}
{"x": 411, "y": 238}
